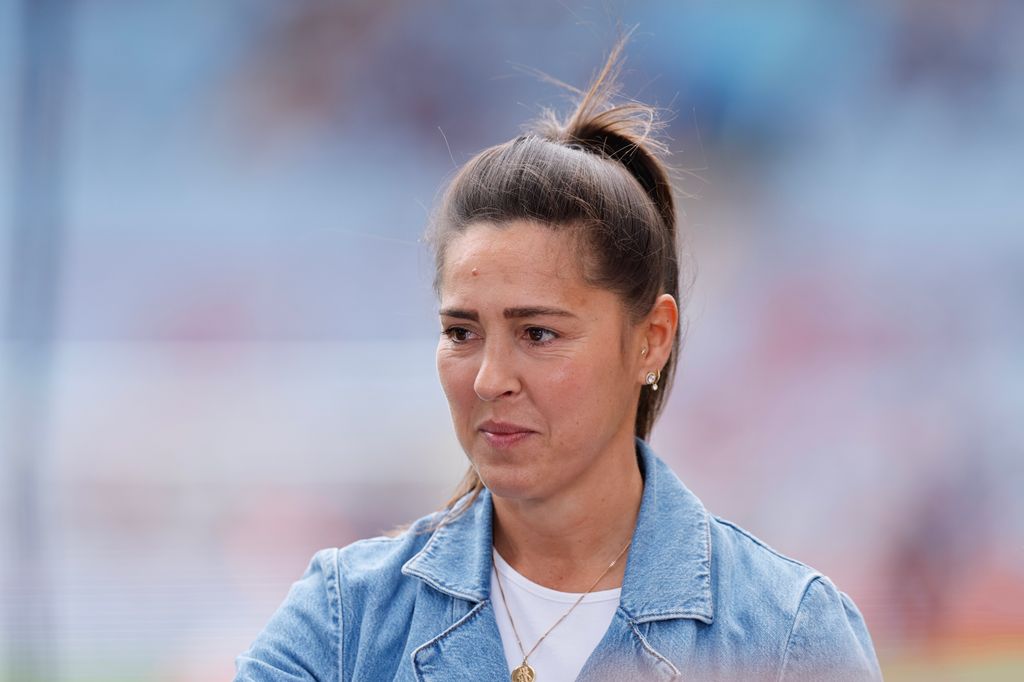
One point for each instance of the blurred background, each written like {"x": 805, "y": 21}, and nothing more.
{"x": 218, "y": 324}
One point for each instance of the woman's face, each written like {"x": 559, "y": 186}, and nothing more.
{"x": 542, "y": 371}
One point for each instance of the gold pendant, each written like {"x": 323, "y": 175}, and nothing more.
{"x": 524, "y": 673}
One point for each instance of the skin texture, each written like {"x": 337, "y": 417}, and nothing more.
{"x": 527, "y": 342}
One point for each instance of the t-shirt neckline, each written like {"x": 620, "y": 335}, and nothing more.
{"x": 511, "y": 575}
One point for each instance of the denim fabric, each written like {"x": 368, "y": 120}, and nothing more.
{"x": 701, "y": 599}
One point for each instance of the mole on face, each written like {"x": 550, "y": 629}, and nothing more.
{"x": 475, "y": 272}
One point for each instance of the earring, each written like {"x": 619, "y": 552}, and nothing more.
{"x": 652, "y": 379}
{"x": 643, "y": 352}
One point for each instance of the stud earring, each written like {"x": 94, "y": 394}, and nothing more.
{"x": 652, "y": 379}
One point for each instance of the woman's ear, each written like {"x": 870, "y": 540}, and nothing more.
{"x": 660, "y": 332}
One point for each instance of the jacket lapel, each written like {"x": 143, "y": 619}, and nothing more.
{"x": 457, "y": 562}
{"x": 468, "y": 650}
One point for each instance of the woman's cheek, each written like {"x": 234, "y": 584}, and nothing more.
{"x": 456, "y": 376}
{"x": 446, "y": 367}
{"x": 564, "y": 384}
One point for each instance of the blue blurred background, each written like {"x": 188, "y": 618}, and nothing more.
{"x": 218, "y": 331}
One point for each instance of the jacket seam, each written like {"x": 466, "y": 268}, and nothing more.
{"x": 339, "y": 622}
{"x": 651, "y": 650}
{"x": 671, "y": 615}
{"x": 707, "y": 568}
{"x": 792, "y": 626}
{"x": 760, "y": 543}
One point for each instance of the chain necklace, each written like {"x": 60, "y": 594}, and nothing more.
{"x": 523, "y": 672}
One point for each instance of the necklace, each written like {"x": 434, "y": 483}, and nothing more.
{"x": 523, "y": 672}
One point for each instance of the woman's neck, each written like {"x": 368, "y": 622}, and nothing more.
{"x": 564, "y": 542}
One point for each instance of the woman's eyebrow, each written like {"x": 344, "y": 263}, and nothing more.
{"x": 459, "y": 314}
{"x": 509, "y": 313}
{"x": 535, "y": 311}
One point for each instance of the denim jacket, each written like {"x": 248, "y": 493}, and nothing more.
{"x": 701, "y": 599}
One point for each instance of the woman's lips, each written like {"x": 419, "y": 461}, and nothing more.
{"x": 503, "y": 434}
{"x": 505, "y": 440}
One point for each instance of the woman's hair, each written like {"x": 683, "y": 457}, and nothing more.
{"x": 597, "y": 174}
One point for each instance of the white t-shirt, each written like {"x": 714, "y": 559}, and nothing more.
{"x": 535, "y": 608}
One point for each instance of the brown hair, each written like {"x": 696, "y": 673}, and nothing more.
{"x": 596, "y": 172}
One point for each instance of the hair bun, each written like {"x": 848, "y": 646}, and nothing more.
{"x": 624, "y": 132}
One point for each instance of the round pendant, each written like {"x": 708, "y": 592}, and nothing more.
{"x": 524, "y": 673}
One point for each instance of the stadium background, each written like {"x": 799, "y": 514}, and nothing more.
{"x": 218, "y": 335}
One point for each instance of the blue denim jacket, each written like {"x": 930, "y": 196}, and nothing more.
{"x": 701, "y": 599}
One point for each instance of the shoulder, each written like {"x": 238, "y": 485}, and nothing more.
{"x": 757, "y": 609}
{"x": 306, "y": 635}
{"x": 747, "y": 571}
{"x": 369, "y": 561}
{"x": 301, "y": 638}
{"x": 737, "y": 553}
{"x": 798, "y": 611}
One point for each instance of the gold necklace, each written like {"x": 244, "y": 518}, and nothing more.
{"x": 523, "y": 672}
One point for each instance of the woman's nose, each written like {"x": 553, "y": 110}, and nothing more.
{"x": 497, "y": 375}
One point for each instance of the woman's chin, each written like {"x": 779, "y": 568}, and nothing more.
{"x": 511, "y": 485}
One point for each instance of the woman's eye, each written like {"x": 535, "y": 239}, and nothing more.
{"x": 457, "y": 334}
{"x": 539, "y": 335}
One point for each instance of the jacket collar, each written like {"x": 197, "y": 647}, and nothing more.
{"x": 668, "y": 572}
{"x": 457, "y": 558}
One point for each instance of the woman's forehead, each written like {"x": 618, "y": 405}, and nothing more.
{"x": 518, "y": 261}
{"x": 512, "y": 250}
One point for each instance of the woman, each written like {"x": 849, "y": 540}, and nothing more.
{"x": 571, "y": 550}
